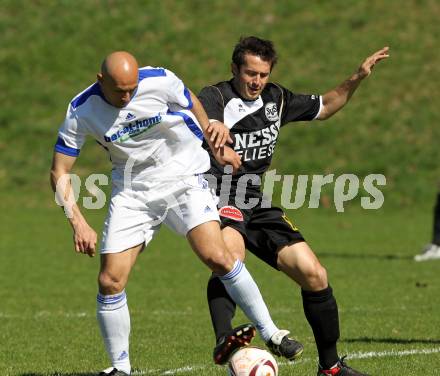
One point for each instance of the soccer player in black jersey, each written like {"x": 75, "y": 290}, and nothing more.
{"x": 255, "y": 110}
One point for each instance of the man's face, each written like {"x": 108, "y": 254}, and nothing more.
{"x": 118, "y": 94}
{"x": 251, "y": 77}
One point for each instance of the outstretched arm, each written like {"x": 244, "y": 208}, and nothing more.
{"x": 335, "y": 99}
{"x": 84, "y": 237}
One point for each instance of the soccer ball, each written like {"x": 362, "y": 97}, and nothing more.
{"x": 252, "y": 361}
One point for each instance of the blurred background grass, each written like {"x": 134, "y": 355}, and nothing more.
{"x": 51, "y": 50}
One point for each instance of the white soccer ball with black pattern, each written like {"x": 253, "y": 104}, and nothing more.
{"x": 252, "y": 361}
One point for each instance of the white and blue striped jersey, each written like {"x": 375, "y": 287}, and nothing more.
{"x": 155, "y": 136}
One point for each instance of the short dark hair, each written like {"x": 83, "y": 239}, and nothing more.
{"x": 254, "y": 46}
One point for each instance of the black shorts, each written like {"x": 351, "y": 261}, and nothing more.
{"x": 265, "y": 230}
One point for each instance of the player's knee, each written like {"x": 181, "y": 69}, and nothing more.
{"x": 220, "y": 261}
{"x": 110, "y": 284}
{"x": 315, "y": 278}
{"x": 238, "y": 254}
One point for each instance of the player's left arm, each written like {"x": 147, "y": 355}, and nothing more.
{"x": 335, "y": 99}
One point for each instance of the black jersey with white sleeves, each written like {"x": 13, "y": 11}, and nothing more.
{"x": 255, "y": 125}
{"x": 300, "y": 107}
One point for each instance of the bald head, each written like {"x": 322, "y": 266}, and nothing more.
{"x": 119, "y": 78}
{"x": 120, "y": 66}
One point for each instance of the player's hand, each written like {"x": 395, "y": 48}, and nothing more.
{"x": 218, "y": 134}
{"x": 227, "y": 156}
{"x": 367, "y": 66}
{"x": 84, "y": 238}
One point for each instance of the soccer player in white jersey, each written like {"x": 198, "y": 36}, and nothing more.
{"x": 144, "y": 118}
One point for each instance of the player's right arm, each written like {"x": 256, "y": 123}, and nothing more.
{"x": 211, "y": 100}
{"x": 216, "y": 137}
{"x": 71, "y": 137}
{"x": 84, "y": 237}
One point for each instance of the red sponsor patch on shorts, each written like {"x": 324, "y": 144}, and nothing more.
{"x": 231, "y": 212}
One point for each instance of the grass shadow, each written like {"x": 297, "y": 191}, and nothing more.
{"x": 395, "y": 256}
{"x": 58, "y": 374}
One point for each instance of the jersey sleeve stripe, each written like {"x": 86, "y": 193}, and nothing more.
{"x": 62, "y": 148}
{"x": 188, "y": 96}
{"x": 193, "y": 127}
{"x": 151, "y": 72}
{"x": 320, "y": 108}
{"x": 82, "y": 98}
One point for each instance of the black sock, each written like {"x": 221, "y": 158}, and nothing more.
{"x": 221, "y": 307}
{"x": 321, "y": 312}
{"x": 436, "y": 230}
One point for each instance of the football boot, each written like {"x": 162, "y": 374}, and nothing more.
{"x": 281, "y": 345}
{"x": 339, "y": 369}
{"x": 238, "y": 337}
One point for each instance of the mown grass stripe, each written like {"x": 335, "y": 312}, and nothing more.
{"x": 357, "y": 355}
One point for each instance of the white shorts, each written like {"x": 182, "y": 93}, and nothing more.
{"x": 134, "y": 215}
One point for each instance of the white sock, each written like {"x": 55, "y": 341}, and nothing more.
{"x": 114, "y": 322}
{"x": 243, "y": 289}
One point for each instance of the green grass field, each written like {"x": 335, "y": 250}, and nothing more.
{"x": 389, "y": 305}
